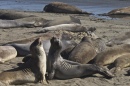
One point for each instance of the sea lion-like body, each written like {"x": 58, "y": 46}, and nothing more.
{"x": 83, "y": 52}
{"x": 60, "y": 7}
{"x": 63, "y": 20}
{"x": 11, "y": 14}
{"x": 7, "y": 53}
{"x": 109, "y": 55}
{"x": 14, "y": 24}
{"x": 121, "y": 11}
{"x": 67, "y": 27}
{"x": 122, "y": 62}
{"x": 32, "y": 71}
{"x": 36, "y": 21}
{"x": 59, "y": 68}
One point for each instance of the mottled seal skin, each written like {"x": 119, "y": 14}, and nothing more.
{"x": 59, "y": 68}
{"x": 60, "y": 7}
{"x": 83, "y": 52}
{"x": 62, "y": 20}
{"x": 109, "y": 55}
{"x": 122, "y": 62}
{"x": 7, "y": 53}
{"x": 30, "y": 72}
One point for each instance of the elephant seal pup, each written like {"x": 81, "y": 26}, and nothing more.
{"x": 109, "y": 55}
{"x": 63, "y": 20}
{"x": 7, "y": 53}
{"x": 67, "y": 27}
{"x": 60, "y": 7}
{"x": 64, "y": 69}
{"x": 121, "y": 62}
{"x": 32, "y": 71}
{"x": 83, "y": 52}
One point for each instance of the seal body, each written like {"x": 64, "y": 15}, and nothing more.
{"x": 67, "y": 27}
{"x": 11, "y": 15}
{"x": 83, "y": 52}
{"x": 30, "y": 72}
{"x": 7, "y": 53}
{"x": 64, "y": 69}
{"x": 60, "y": 7}
{"x": 14, "y": 24}
{"x": 64, "y": 20}
{"x": 109, "y": 55}
{"x": 122, "y": 62}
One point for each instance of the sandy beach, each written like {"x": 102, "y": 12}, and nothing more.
{"x": 106, "y": 29}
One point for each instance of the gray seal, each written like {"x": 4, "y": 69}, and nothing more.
{"x": 59, "y": 68}
{"x": 31, "y": 72}
{"x": 62, "y": 20}
{"x": 66, "y": 27}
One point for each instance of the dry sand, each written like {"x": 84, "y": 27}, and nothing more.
{"x": 106, "y": 29}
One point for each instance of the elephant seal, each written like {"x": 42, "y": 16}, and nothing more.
{"x": 121, "y": 62}
{"x": 14, "y": 24}
{"x": 67, "y": 27}
{"x": 36, "y": 21}
{"x": 32, "y": 71}
{"x": 83, "y": 52}
{"x": 11, "y": 14}
{"x": 109, "y": 55}
{"x": 60, "y": 7}
{"x": 7, "y": 53}
{"x": 63, "y": 20}
{"x": 121, "y": 11}
{"x": 59, "y": 68}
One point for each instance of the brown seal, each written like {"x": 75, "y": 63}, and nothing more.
{"x": 7, "y": 53}
{"x": 122, "y": 62}
{"x": 83, "y": 52}
{"x": 32, "y": 71}
{"x": 11, "y": 14}
{"x": 109, "y": 55}
{"x": 60, "y": 7}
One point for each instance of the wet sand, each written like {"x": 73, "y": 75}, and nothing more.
{"x": 106, "y": 29}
